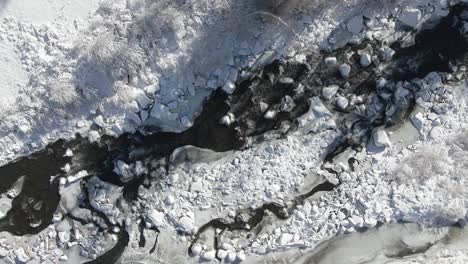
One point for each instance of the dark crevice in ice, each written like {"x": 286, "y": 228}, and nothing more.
{"x": 248, "y": 219}
{"x": 114, "y": 254}
{"x": 142, "y": 242}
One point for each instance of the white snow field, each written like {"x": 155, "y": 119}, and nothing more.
{"x": 110, "y": 67}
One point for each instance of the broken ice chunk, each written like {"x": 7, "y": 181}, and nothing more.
{"x": 263, "y": 106}
{"x": 93, "y": 136}
{"x": 132, "y": 106}
{"x": 197, "y": 187}
{"x": 68, "y": 153}
{"x": 170, "y": 200}
{"x": 318, "y": 109}
{"x": 410, "y": 17}
{"x": 241, "y": 256}
{"x": 64, "y": 237}
{"x": 80, "y": 175}
{"x": 330, "y": 61}
{"x": 123, "y": 169}
{"x": 365, "y": 60}
{"x": 143, "y": 100}
{"x": 381, "y": 139}
{"x": 286, "y": 80}
{"x": 418, "y": 120}
{"x": 186, "y": 224}
{"x": 173, "y": 178}
{"x": 287, "y": 104}
{"x": 229, "y": 87}
{"x": 133, "y": 117}
{"x": 344, "y": 69}
{"x": 231, "y": 257}
{"x": 227, "y": 119}
{"x": 381, "y": 82}
{"x": 370, "y": 222}
{"x": 25, "y": 128}
{"x": 355, "y": 24}
{"x": 285, "y": 238}
{"x": 21, "y": 256}
{"x": 209, "y": 255}
{"x": 401, "y": 92}
{"x": 99, "y": 121}
{"x": 185, "y": 122}
{"x": 301, "y": 58}
{"x": 342, "y": 102}
{"x": 57, "y": 217}
{"x": 270, "y": 114}
{"x": 222, "y": 254}
{"x": 388, "y": 53}
{"x": 196, "y": 250}
{"x": 3, "y": 252}
{"x": 152, "y": 89}
{"x": 329, "y": 91}
{"x": 156, "y": 218}
{"x": 160, "y": 111}
{"x": 172, "y": 105}
{"x": 212, "y": 83}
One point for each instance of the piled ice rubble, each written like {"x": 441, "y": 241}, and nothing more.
{"x": 410, "y": 185}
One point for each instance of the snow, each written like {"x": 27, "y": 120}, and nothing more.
{"x": 420, "y": 181}
{"x": 329, "y": 92}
